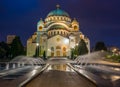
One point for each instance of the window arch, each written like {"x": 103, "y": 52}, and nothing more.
{"x": 61, "y": 32}
{"x": 52, "y": 48}
{"x": 64, "y": 48}
{"x": 64, "y": 32}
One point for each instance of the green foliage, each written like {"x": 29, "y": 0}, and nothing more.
{"x": 76, "y": 50}
{"x": 36, "y": 52}
{"x": 100, "y": 46}
{"x": 17, "y": 47}
{"x": 113, "y": 58}
{"x": 82, "y": 48}
{"x": 4, "y": 50}
{"x": 44, "y": 55}
{"x": 72, "y": 53}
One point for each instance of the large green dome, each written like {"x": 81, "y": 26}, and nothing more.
{"x": 58, "y": 12}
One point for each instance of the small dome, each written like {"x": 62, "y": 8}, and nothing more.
{"x": 74, "y": 21}
{"x": 58, "y": 12}
{"x": 40, "y": 22}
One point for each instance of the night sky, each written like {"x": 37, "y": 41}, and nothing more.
{"x": 99, "y": 19}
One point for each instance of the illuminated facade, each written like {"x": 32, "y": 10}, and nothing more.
{"x": 56, "y": 35}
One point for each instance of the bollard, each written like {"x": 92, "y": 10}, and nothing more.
{"x": 23, "y": 64}
{"x": 7, "y": 66}
{"x": 18, "y": 64}
{"x": 32, "y": 64}
{"x": 13, "y": 66}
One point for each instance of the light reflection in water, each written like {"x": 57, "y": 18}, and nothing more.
{"x": 60, "y": 67}
{"x": 115, "y": 77}
{"x": 33, "y": 72}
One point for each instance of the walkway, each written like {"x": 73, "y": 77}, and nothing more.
{"x": 17, "y": 76}
{"x": 55, "y": 78}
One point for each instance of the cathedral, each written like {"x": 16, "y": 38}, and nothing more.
{"x": 56, "y": 35}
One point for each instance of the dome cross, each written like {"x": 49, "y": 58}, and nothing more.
{"x": 58, "y": 6}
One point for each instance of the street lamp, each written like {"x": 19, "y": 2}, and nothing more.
{"x": 76, "y": 44}
{"x": 37, "y": 49}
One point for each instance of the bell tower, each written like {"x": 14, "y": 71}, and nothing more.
{"x": 40, "y": 25}
{"x": 75, "y": 25}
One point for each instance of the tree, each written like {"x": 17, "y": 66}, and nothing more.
{"x": 100, "y": 46}
{"x": 4, "y": 50}
{"x": 72, "y": 53}
{"x": 82, "y": 48}
{"x": 36, "y": 52}
{"x": 17, "y": 47}
{"x": 44, "y": 55}
{"x": 76, "y": 50}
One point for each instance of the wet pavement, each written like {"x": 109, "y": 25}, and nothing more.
{"x": 103, "y": 76}
{"x": 56, "y": 78}
{"x": 17, "y": 77}
{"x": 59, "y": 76}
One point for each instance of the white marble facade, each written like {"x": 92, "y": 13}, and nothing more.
{"x": 56, "y": 35}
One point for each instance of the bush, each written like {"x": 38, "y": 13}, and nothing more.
{"x": 113, "y": 58}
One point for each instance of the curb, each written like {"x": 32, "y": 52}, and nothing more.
{"x": 31, "y": 78}
{"x": 88, "y": 78}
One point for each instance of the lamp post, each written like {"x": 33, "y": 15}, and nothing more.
{"x": 76, "y": 44}
{"x": 37, "y": 49}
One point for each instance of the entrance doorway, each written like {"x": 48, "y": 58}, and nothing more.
{"x": 64, "y": 51}
{"x": 57, "y": 53}
{"x": 58, "y": 48}
{"x": 64, "y": 54}
{"x": 52, "y": 54}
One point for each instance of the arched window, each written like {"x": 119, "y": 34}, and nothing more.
{"x": 64, "y": 48}
{"x": 64, "y": 33}
{"x": 52, "y": 48}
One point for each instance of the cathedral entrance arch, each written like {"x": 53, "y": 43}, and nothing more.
{"x": 64, "y": 51}
{"x": 52, "y": 51}
{"x": 58, "y": 48}
{"x": 57, "y": 53}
